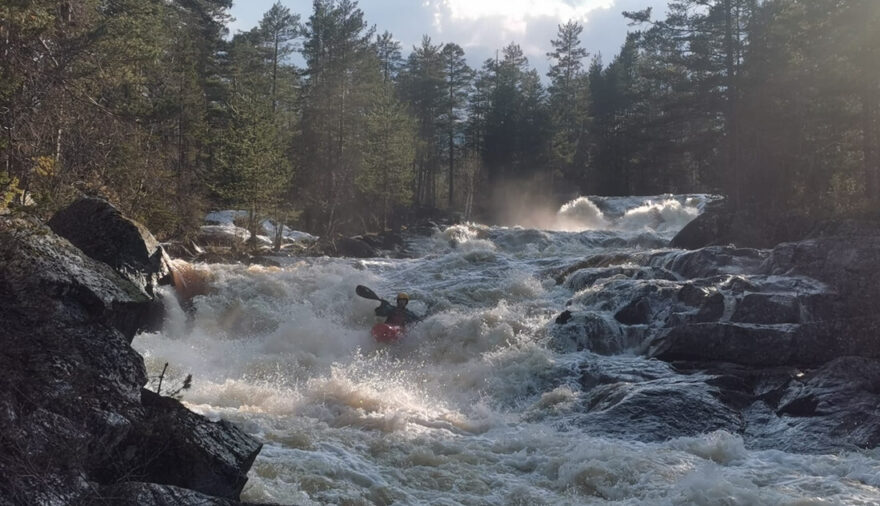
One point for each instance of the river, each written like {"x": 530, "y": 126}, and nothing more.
{"x": 477, "y": 404}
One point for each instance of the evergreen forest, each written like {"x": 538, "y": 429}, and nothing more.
{"x": 154, "y": 105}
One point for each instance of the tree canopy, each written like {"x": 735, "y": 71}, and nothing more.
{"x": 152, "y": 104}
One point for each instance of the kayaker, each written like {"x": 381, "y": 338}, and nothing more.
{"x": 397, "y": 315}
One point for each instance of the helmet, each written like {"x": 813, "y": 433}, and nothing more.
{"x": 403, "y": 296}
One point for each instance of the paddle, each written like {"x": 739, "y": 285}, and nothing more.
{"x": 366, "y": 293}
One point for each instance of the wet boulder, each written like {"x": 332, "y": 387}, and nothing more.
{"x": 623, "y": 397}
{"x": 174, "y": 446}
{"x": 47, "y": 282}
{"x": 593, "y": 262}
{"x": 747, "y": 344}
{"x": 825, "y": 410}
{"x": 711, "y": 309}
{"x": 71, "y": 407}
{"x": 658, "y": 409}
{"x": 68, "y": 377}
{"x": 848, "y": 264}
{"x": 722, "y": 224}
{"x": 637, "y": 312}
{"x": 710, "y": 262}
{"x": 587, "y": 277}
{"x": 101, "y": 231}
{"x": 767, "y": 308}
{"x": 387, "y": 241}
{"x": 353, "y": 247}
{"x": 692, "y": 295}
{"x": 588, "y": 331}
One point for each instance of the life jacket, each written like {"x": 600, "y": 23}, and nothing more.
{"x": 396, "y": 317}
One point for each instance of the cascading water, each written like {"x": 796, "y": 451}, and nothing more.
{"x": 479, "y": 403}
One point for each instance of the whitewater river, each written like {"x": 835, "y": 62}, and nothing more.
{"x": 475, "y": 405}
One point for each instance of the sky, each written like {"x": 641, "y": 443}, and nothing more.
{"x": 482, "y": 27}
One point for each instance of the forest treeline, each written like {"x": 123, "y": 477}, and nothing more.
{"x": 151, "y": 103}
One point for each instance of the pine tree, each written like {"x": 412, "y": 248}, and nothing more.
{"x": 423, "y": 88}
{"x": 569, "y": 99}
{"x": 390, "y": 58}
{"x": 389, "y": 149}
{"x": 458, "y": 79}
{"x": 278, "y": 29}
{"x": 342, "y": 74}
{"x": 517, "y": 131}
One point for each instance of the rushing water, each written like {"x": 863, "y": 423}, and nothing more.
{"x": 474, "y": 406}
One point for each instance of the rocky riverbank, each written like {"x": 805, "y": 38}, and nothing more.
{"x": 781, "y": 344}
{"x": 77, "y": 425}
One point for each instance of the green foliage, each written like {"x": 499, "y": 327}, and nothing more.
{"x": 249, "y": 167}
{"x": 389, "y": 149}
{"x": 775, "y": 103}
{"x": 423, "y": 87}
{"x": 517, "y": 128}
{"x": 9, "y": 190}
{"x": 342, "y": 76}
{"x": 569, "y": 103}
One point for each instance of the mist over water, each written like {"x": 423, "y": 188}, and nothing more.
{"x": 475, "y": 405}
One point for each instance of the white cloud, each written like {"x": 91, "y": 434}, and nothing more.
{"x": 513, "y": 15}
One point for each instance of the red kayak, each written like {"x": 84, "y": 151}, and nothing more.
{"x": 385, "y": 333}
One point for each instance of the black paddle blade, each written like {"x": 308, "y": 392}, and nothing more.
{"x": 366, "y": 293}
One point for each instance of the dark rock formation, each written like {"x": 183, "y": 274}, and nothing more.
{"x": 720, "y": 224}
{"x": 653, "y": 401}
{"x": 637, "y": 312}
{"x": 387, "y": 241}
{"x": 98, "y": 229}
{"x": 72, "y": 418}
{"x": 781, "y": 346}
{"x": 174, "y": 446}
{"x": 824, "y": 410}
{"x": 709, "y": 262}
{"x": 354, "y": 247}
{"x": 659, "y": 410}
{"x": 589, "y": 331}
{"x": 754, "y": 345}
{"x": 845, "y": 257}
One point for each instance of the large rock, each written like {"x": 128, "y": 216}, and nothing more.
{"x": 70, "y": 383}
{"x": 748, "y": 344}
{"x": 97, "y": 228}
{"x": 67, "y": 373}
{"x": 849, "y": 264}
{"x": 651, "y": 400}
{"x": 48, "y": 283}
{"x": 824, "y": 410}
{"x": 820, "y": 410}
{"x": 587, "y": 331}
{"x": 174, "y": 446}
{"x": 721, "y": 224}
{"x": 709, "y": 262}
{"x": 353, "y": 247}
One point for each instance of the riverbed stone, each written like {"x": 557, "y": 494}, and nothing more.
{"x": 71, "y": 385}
{"x": 101, "y": 231}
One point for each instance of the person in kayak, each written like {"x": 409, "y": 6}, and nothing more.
{"x": 399, "y": 314}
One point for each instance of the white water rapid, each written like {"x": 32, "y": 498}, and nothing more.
{"x": 474, "y": 406}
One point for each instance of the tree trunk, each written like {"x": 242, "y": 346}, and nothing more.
{"x": 451, "y": 167}
{"x": 871, "y": 152}
{"x": 275, "y": 76}
{"x": 731, "y": 140}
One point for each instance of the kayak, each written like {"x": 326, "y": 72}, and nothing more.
{"x": 385, "y": 333}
